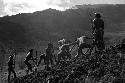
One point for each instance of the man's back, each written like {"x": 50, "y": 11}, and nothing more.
{"x": 10, "y": 62}
{"x": 98, "y": 23}
{"x": 29, "y": 56}
{"x": 82, "y": 39}
{"x": 64, "y": 48}
{"x": 48, "y": 51}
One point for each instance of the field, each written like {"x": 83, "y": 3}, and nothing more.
{"x": 108, "y": 67}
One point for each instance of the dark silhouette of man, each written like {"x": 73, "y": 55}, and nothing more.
{"x": 82, "y": 43}
{"x": 64, "y": 50}
{"x": 27, "y": 59}
{"x": 49, "y": 54}
{"x": 42, "y": 57}
{"x": 98, "y": 31}
{"x": 11, "y": 66}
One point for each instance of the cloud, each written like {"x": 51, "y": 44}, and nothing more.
{"x": 11, "y": 7}
{"x": 21, "y": 6}
{"x": 1, "y": 8}
{"x": 98, "y": 2}
{"x": 60, "y": 3}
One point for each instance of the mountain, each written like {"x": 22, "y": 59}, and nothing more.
{"x": 52, "y": 24}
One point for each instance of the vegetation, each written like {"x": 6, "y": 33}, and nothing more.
{"x": 35, "y": 30}
{"x": 96, "y": 68}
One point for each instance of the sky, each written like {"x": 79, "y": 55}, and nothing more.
{"x": 12, "y": 7}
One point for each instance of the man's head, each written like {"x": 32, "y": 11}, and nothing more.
{"x": 97, "y": 15}
{"x": 81, "y": 39}
{"x": 50, "y": 45}
{"x": 61, "y": 42}
{"x": 31, "y": 50}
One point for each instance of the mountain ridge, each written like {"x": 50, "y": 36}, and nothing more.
{"x": 70, "y": 23}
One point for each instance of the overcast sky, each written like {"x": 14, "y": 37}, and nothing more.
{"x": 12, "y": 7}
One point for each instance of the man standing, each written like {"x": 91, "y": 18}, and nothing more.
{"x": 42, "y": 57}
{"x": 98, "y": 31}
{"x": 28, "y": 58}
{"x": 49, "y": 54}
{"x": 11, "y": 66}
{"x": 82, "y": 43}
{"x": 64, "y": 50}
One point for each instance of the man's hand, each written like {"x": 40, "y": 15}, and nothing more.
{"x": 37, "y": 65}
{"x": 33, "y": 59}
{"x": 13, "y": 66}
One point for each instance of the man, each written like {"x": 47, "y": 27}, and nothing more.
{"x": 42, "y": 57}
{"x": 11, "y": 66}
{"x": 64, "y": 50}
{"x": 49, "y": 54}
{"x": 82, "y": 43}
{"x": 98, "y": 31}
{"x": 27, "y": 59}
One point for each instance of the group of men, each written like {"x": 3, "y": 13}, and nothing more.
{"x": 64, "y": 48}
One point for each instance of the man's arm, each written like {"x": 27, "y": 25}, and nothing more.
{"x": 102, "y": 24}
{"x": 32, "y": 58}
{"x": 52, "y": 50}
{"x": 70, "y": 44}
{"x": 93, "y": 26}
{"x": 89, "y": 38}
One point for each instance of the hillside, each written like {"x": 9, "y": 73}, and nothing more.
{"x": 37, "y": 26}
{"x": 27, "y": 30}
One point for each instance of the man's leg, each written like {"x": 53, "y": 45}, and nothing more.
{"x": 47, "y": 61}
{"x": 81, "y": 47}
{"x": 26, "y": 63}
{"x": 54, "y": 57}
{"x": 58, "y": 58}
{"x": 9, "y": 74}
{"x": 44, "y": 58}
{"x": 69, "y": 55}
{"x": 90, "y": 48}
{"x": 39, "y": 62}
{"x": 95, "y": 42}
{"x": 29, "y": 66}
{"x": 78, "y": 53}
{"x": 13, "y": 71}
{"x": 41, "y": 57}
{"x": 102, "y": 35}
{"x": 102, "y": 40}
{"x": 51, "y": 60}
{"x": 98, "y": 39}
